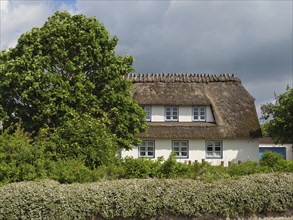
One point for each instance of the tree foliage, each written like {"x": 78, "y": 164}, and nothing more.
{"x": 279, "y": 117}
{"x": 64, "y": 70}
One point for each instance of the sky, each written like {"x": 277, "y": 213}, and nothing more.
{"x": 251, "y": 39}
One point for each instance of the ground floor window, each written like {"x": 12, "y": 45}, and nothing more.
{"x": 147, "y": 149}
{"x": 180, "y": 148}
{"x": 214, "y": 149}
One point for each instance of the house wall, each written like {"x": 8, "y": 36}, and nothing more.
{"x": 233, "y": 150}
{"x": 185, "y": 114}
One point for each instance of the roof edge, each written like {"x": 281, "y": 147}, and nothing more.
{"x": 181, "y": 77}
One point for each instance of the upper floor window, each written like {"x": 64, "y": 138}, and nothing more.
{"x": 147, "y": 149}
{"x": 214, "y": 149}
{"x": 148, "y": 110}
{"x": 180, "y": 148}
{"x": 171, "y": 113}
{"x": 199, "y": 113}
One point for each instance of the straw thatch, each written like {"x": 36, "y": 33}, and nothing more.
{"x": 233, "y": 107}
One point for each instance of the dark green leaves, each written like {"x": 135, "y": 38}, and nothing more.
{"x": 69, "y": 66}
{"x": 280, "y": 117}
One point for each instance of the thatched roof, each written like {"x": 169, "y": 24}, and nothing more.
{"x": 233, "y": 107}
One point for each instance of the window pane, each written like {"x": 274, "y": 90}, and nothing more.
{"x": 175, "y": 117}
{"x": 217, "y": 148}
{"x": 176, "y": 149}
{"x": 150, "y": 143}
{"x": 175, "y": 143}
{"x": 210, "y": 154}
{"x": 210, "y": 149}
{"x": 184, "y": 154}
{"x": 150, "y": 148}
{"x": 142, "y": 154}
{"x": 217, "y": 154}
{"x": 176, "y": 153}
{"x": 183, "y": 148}
{"x": 209, "y": 143}
{"x": 142, "y": 148}
{"x": 217, "y": 143}
{"x": 168, "y": 117}
{"x": 150, "y": 154}
{"x": 183, "y": 143}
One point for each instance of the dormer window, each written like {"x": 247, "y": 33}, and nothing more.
{"x": 171, "y": 113}
{"x": 148, "y": 110}
{"x": 199, "y": 113}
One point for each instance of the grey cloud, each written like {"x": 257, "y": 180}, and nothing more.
{"x": 252, "y": 39}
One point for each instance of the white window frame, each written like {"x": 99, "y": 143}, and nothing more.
{"x": 148, "y": 110}
{"x": 145, "y": 150}
{"x": 214, "y": 149}
{"x": 173, "y": 109}
{"x": 201, "y": 113}
{"x": 178, "y": 147}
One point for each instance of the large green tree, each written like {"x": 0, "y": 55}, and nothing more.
{"x": 279, "y": 117}
{"x": 67, "y": 70}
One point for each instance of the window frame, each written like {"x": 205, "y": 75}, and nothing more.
{"x": 199, "y": 113}
{"x": 172, "y": 113}
{"x": 146, "y": 149}
{"x": 179, "y": 156}
{"x": 150, "y": 112}
{"x": 215, "y": 153}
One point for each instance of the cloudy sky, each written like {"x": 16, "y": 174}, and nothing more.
{"x": 252, "y": 39}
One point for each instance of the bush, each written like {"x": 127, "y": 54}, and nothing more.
{"x": 77, "y": 160}
{"x": 139, "y": 199}
{"x": 137, "y": 168}
{"x": 19, "y": 159}
{"x": 246, "y": 168}
{"x": 173, "y": 169}
{"x": 275, "y": 162}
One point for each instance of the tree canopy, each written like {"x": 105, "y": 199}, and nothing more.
{"x": 279, "y": 116}
{"x": 65, "y": 71}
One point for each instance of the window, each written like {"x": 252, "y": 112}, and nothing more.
{"x": 199, "y": 113}
{"x": 180, "y": 148}
{"x": 147, "y": 149}
{"x": 214, "y": 149}
{"x": 171, "y": 113}
{"x": 148, "y": 110}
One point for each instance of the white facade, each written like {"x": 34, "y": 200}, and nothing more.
{"x": 214, "y": 151}
{"x": 185, "y": 113}
{"x": 232, "y": 150}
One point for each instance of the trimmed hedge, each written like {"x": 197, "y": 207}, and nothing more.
{"x": 146, "y": 198}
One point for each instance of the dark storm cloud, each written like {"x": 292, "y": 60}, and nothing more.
{"x": 252, "y": 39}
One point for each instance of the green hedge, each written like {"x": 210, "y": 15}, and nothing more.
{"x": 145, "y": 198}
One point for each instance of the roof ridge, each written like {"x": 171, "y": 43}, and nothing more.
{"x": 181, "y": 77}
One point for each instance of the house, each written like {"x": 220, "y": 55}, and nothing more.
{"x": 268, "y": 144}
{"x": 198, "y": 117}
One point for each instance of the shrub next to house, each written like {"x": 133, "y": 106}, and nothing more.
{"x": 137, "y": 198}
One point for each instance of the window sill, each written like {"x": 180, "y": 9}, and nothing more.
{"x": 214, "y": 157}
